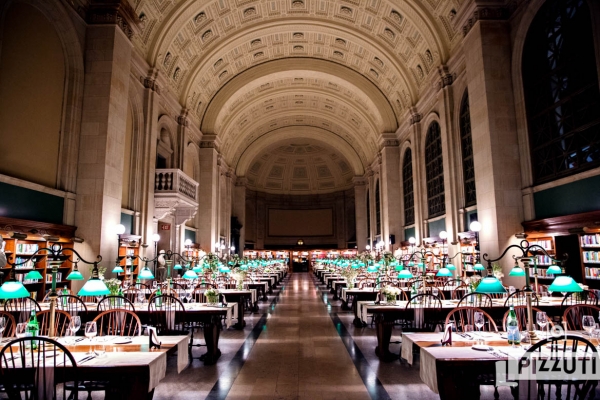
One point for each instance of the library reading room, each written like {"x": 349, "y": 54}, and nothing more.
{"x": 300, "y": 199}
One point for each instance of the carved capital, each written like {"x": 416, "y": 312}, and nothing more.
{"x": 445, "y": 77}
{"x": 415, "y": 117}
{"x": 183, "y": 121}
{"x": 117, "y": 12}
{"x": 241, "y": 181}
{"x": 485, "y": 14}
{"x": 151, "y": 84}
{"x": 359, "y": 181}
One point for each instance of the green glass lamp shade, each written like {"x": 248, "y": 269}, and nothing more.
{"x": 189, "y": 274}
{"x": 405, "y": 274}
{"x": 554, "y": 269}
{"x": 117, "y": 269}
{"x": 244, "y": 267}
{"x": 75, "y": 275}
{"x": 145, "y": 273}
{"x": 355, "y": 266}
{"x": 399, "y": 267}
{"x": 33, "y": 275}
{"x": 411, "y": 264}
{"x": 198, "y": 268}
{"x": 177, "y": 266}
{"x": 224, "y": 269}
{"x": 517, "y": 271}
{"x": 94, "y": 287}
{"x": 444, "y": 272}
{"x": 451, "y": 267}
{"x": 490, "y": 285}
{"x": 421, "y": 265}
{"x": 372, "y": 268}
{"x": 564, "y": 284}
{"x": 478, "y": 267}
{"x": 13, "y": 290}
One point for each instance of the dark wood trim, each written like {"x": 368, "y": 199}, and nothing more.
{"x": 588, "y": 222}
{"x": 35, "y": 228}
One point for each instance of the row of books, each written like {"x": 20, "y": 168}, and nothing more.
{"x": 592, "y": 273}
{"x": 591, "y": 256}
{"x": 21, "y": 278}
{"x": 27, "y": 265}
{"x": 590, "y": 240}
{"x": 546, "y": 244}
{"x": 58, "y": 277}
{"x": 542, "y": 259}
{"x": 27, "y": 248}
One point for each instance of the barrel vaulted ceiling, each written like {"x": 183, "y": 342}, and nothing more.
{"x": 270, "y": 74}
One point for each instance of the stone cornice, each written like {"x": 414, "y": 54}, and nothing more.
{"x": 485, "y": 13}
{"x": 118, "y": 12}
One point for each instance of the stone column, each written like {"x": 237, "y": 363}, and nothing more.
{"x": 391, "y": 198}
{"x": 104, "y": 115}
{"x": 182, "y": 126}
{"x": 487, "y": 52}
{"x": 207, "y": 196}
{"x": 419, "y": 190}
{"x": 239, "y": 210}
{"x": 360, "y": 201}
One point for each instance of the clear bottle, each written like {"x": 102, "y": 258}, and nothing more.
{"x": 512, "y": 327}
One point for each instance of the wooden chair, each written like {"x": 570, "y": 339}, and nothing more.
{"x": 385, "y": 283}
{"x": 72, "y": 304}
{"x": 118, "y": 322}
{"x": 426, "y": 310}
{"x": 23, "y": 306}
{"x": 132, "y": 294}
{"x": 463, "y": 316}
{"x": 61, "y": 323}
{"x": 567, "y": 389}
{"x": 573, "y": 315}
{"x": 475, "y": 300}
{"x": 586, "y": 297}
{"x": 114, "y": 302}
{"x": 58, "y": 290}
{"x": 168, "y": 315}
{"x": 52, "y": 375}
{"x": 521, "y": 312}
{"x": 519, "y": 298}
{"x": 459, "y": 292}
{"x": 440, "y": 292}
{"x": 366, "y": 283}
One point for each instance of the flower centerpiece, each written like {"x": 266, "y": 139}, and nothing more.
{"x": 113, "y": 286}
{"x": 497, "y": 271}
{"x": 212, "y": 296}
{"x": 472, "y": 283}
{"x": 239, "y": 275}
{"x": 391, "y": 294}
{"x": 349, "y": 274}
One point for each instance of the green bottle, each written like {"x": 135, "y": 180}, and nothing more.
{"x": 413, "y": 293}
{"x": 65, "y": 292}
{"x": 157, "y": 294}
{"x": 33, "y": 328}
{"x": 512, "y": 327}
{"x": 137, "y": 283}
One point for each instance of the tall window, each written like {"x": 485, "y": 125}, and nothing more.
{"x": 434, "y": 169}
{"x": 368, "y": 215}
{"x": 561, "y": 91}
{"x": 466, "y": 143}
{"x": 407, "y": 179}
{"x": 377, "y": 209}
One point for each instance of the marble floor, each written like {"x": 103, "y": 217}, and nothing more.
{"x": 299, "y": 345}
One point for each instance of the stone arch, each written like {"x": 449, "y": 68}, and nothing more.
{"x": 166, "y": 144}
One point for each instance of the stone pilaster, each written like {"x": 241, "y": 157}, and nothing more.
{"x": 360, "y": 201}
{"x": 207, "y": 196}
{"x": 239, "y": 210}
{"x": 104, "y": 115}
{"x": 419, "y": 189}
{"x": 495, "y": 146}
{"x": 391, "y": 198}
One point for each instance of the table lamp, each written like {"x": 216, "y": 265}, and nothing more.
{"x": 33, "y": 275}
{"x": 12, "y": 289}
{"x": 554, "y": 269}
{"x": 451, "y": 267}
{"x": 490, "y": 285}
{"x": 94, "y": 286}
{"x": 564, "y": 284}
{"x": 444, "y": 272}
{"x": 145, "y": 273}
{"x": 517, "y": 271}
{"x": 405, "y": 274}
{"x": 75, "y": 275}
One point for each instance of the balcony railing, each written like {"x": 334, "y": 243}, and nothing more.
{"x": 174, "y": 181}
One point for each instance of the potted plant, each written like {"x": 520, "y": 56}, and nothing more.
{"x": 212, "y": 296}
{"x": 391, "y": 294}
{"x": 497, "y": 270}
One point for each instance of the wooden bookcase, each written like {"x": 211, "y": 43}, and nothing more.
{"x": 543, "y": 261}
{"x": 590, "y": 258}
{"x": 22, "y": 239}
{"x": 468, "y": 250}
{"x": 129, "y": 250}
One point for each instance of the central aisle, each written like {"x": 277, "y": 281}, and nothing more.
{"x": 299, "y": 354}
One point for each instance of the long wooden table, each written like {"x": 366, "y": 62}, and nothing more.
{"x": 132, "y": 370}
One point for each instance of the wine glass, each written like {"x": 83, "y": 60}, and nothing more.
{"x": 588, "y": 324}
{"x": 435, "y": 291}
{"x": 74, "y": 326}
{"x": 21, "y": 330}
{"x": 141, "y": 296}
{"x": 542, "y": 320}
{"x": 2, "y": 326}
{"x": 154, "y": 285}
{"x": 91, "y": 330}
{"x": 479, "y": 322}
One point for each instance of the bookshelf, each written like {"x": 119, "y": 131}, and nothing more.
{"x": 590, "y": 258}
{"x": 469, "y": 253}
{"x": 22, "y": 239}
{"x": 543, "y": 261}
{"x": 129, "y": 250}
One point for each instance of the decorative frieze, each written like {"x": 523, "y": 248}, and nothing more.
{"x": 117, "y": 12}
{"x": 485, "y": 14}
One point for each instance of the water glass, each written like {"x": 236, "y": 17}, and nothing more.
{"x": 542, "y": 320}
{"x": 435, "y": 291}
{"x": 479, "y": 321}
{"x": 74, "y": 326}
{"x": 21, "y": 330}
{"x": 2, "y": 326}
{"x": 588, "y": 323}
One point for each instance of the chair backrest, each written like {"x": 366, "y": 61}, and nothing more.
{"x": 475, "y": 300}
{"x": 460, "y": 291}
{"x": 585, "y": 297}
{"x": 74, "y": 305}
{"x": 463, "y": 316}
{"x": 23, "y": 306}
{"x": 561, "y": 348}
{"x": 118, "y": 322}
{"x": 51, "y": 368}
{"x": 58, "y": 290}
{"x": 424, "y": 300}
{"x": 367, "y": 282}
{"x": 132, "y": 293}
{"x": 521, "y": 312}
{"x": 385, "y": 283}
{"x": 167, "y": 313}
{"x": 112, "y": 302}
{"x": 9, "y": 324}
{"x": 432, "y": 289}
{"x": 88, "y": 299}
{"x": 573, "y": 315}
{"x": 519, "y": 298}
{"x": 61, "y": 323}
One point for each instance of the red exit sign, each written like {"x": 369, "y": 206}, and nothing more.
{"x": 165, "y": 227}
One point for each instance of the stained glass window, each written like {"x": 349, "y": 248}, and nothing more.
{"x": 434, "y": 170}
{"x": 407, "y": 179}
{"x": 466, "y": 143}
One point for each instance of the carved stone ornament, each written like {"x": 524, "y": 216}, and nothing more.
{"x": 151, "y": 84}
{"x": 118, "y": 12}
{"x": 415, "y": 117}
{"x": 485, "y": 14}
{"x": 207, "y": 145}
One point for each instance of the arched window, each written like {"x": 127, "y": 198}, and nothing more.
{"x": 377, "y": 209}
{"x": 562, "y": 98}
{"x": 407, "y": 179}
{"x": 434, "y": 170}
{"x": 466, "y": 145}
{"x": 368, "y": 215}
